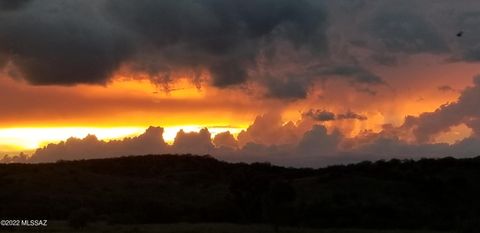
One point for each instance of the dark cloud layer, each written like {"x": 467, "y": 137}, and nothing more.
{"x": 62, "y": 42}
{"x": 7, "y": 5}
{"x": 401, "y": 30}
{"x": 355, "y": 74}
{"x": 71, "y": 42}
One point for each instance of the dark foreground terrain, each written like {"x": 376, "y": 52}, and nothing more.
{"x": 173, "y": 192}
{"x": 62, "y": 227}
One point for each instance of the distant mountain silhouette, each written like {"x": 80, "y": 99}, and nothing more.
{"x": 425, "y": 194}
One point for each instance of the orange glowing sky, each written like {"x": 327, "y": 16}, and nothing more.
{"x": 33, "y": 116}
{"x": 311, "y": 77}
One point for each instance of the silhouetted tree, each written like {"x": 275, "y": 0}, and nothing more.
{"x": 278, "y": 203}
{"x": 80, "y": 218}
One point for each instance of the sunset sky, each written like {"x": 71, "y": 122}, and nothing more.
{"x": 304, "y": 82}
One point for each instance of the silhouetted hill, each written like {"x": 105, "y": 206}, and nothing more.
{"x": 425, "y": 194}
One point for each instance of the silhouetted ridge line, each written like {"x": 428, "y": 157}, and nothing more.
{"x": 396, "y": 194}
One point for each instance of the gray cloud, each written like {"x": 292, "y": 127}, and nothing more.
{"x": 468, "y": 44}
{"x": 74, "y": 41}
{"x": 8, "y": 5}
{"x": 193, "y": 142}
{"x": 355, "y": 74}
{"x": 62, "y": 42}
{"x": 70, "y": 42}
{"x": 401, "y": 30}
{"x": 318, "y": 142}
{"x": 320, "y": 115}
{"x": 150, "y": 142}
{"x": 323, "y": 115}
{"x": 225, "y": 139}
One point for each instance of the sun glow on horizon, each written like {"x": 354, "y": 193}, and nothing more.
{"x": 29, "y": 139}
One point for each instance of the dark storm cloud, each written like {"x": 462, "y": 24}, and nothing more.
{"x": 298, "y": 84}
{"x": 12, "y": 4}
{"x": 469, "y": 43}
{"x": 70, "y": 42}
{"x": 223, "y": 36}
{"x": 355, "y": 74}
{"x": 292, "y": 87}
{"x": 62, "y": 42}
{"x": 400, "y": 30}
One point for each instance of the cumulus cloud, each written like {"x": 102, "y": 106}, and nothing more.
{"x": 150, "y": 142}
{"x": 188, "y": 142}
{"x": 301, "y": 144}
{"x": 464, "y": 111}
{"x": 282, "y": 45}
{"x": 318, "y": 142}
{"x": 225, "y": 139}
{"x": 269, "y": 129}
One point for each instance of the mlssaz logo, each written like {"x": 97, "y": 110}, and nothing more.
{"x": 34, "y": 223}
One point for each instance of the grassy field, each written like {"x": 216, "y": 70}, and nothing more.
{"x": 191, "y": 228}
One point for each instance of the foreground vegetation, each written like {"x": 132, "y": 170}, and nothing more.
{"x": 62, "y": 227}
{"x": 432, "y": 194}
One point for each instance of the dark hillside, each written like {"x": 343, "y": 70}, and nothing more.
{"x": 426, "y": 194}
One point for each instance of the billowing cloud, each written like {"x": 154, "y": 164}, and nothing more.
{"x": 71, "y": 42}
{"x": 193, "y": 141}
{"x": 150, "y": 142}
{"x": 318, "y": 142}
{"x": 301, "y": 146}
{"x": 225, "y": 139}
{"x": 464, "y": 110}
{"x": 282, "y": 55}
{"x": 269, "y": 129}
{"x": 62, "y": 42}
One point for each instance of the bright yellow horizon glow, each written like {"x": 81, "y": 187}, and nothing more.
{"x": 28, "y": 139}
